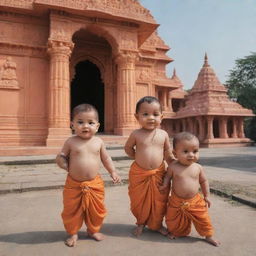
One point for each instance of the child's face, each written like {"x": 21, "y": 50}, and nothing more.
{"x": 149, "y": 115}
{"x": 187, "y": 151}
{"x": 85, "y": 124}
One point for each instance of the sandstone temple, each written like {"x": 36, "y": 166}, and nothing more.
{"x": 55, "y": 55}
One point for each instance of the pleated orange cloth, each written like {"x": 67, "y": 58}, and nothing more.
{"x": 148, "y": 205}
{"x": 83, "y": 201}
{"x": 182, "y": 212}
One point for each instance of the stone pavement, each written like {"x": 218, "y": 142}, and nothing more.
{"x": 231, "y": 172}
{"x": 31, "y": 225}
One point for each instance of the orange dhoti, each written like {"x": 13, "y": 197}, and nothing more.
{"x": 148, "y": 205}
{"x": 182, "y": 212}
{"x": 83, "y": 201}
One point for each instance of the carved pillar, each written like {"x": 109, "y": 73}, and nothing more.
{"x": 209, "y": 127}
{"x": 241, "y": 128}
{"x": 201, "y": 128}
{"x": 59, "y": 92}
{"x": 178, "y": 126}
{"x": 126, "y": 93}
{"x": 223, "y": 128}
{"x": 190, "y": 124}
{"x": 183, "y": 123}
{"x": 170, "y": 104}
{"x": 165, "y": 99}
{"x": 234, "y": 124}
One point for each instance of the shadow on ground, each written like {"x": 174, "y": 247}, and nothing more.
{"x": 36, "y": 237}
{"x": 124, "y": 230}
{"x": 112, "y": 230}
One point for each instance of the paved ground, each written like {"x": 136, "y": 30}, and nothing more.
{"x": 31, "y": 225}
{"x": 231, "y": 172}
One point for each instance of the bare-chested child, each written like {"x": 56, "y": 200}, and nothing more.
{"x": 185, "y": 204}
{"x": 81, "y": 157}
{"x": 149, "y": 146}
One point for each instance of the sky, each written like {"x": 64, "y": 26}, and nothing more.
{"x": 224, "y": 29}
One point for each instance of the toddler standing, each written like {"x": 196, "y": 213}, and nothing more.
{"x": 185, "y": 204}
{"x": 148, "y": 146}
{"x": 81, "y": 157}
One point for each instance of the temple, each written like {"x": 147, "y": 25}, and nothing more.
{"x": 208, "y": 113}
{"x": 55, "y": 55}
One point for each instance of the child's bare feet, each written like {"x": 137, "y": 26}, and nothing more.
{"x": 138, "y": 230}
{"x": 71, "y": 241}
{"x": 171, "y": 236}
{"x": 212, "y": 241}
{"x": 163, "y": 231}
{"x": 97, "y": 236}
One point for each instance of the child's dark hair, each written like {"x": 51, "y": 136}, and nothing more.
{"x": 148, "y": 99}
{"x": 84, "y": 108}
{"x": 182, "y": 136}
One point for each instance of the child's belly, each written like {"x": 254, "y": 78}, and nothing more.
{"x": 84, "y": 169}
{"x": 149, "y": 158}
{"x": 185, "y": 189}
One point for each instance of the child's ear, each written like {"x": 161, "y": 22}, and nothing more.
{"x": 98, "y": 125}
{"x": 174, "y": 153}
{"x": 136, "y": 116}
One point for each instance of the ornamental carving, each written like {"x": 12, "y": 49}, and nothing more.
{"x": 125, "y": 8}
{"x": 57, "y": 48}
{"x": 8, "y": 77}
{"x": 154, "y": 41}
{"x": 59, "y": 35}
{"x": 24, "y": 33}
{"x": 25, "y": 4}
{"x": 126, "y": 58}
{"x": 143, "y": 75}
{"x": 128, "y": 41}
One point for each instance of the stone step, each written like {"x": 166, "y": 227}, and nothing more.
{"x": 21, "y": 178}
{"x": 116, "y": 152}
{"x": 110, "y": 141}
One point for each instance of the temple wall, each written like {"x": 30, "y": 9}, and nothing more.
{"x": 23, "y": 80}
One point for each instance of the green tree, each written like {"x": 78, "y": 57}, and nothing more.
{"x": 241, "y": 87}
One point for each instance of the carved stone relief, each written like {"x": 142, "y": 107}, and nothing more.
{"x": 22, "y": 33}
{"x": 17, "y": 3}
{"x": 144, "y": 74}
{"x": 8, "y": 77}
{"x": 128, "y": 40}
{"x": 128, "y": 8}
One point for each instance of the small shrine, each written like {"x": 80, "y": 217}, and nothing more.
{"x": 210, "y": 114}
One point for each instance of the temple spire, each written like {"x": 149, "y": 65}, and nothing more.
{"x": 174, "y": 72}
{"x": 206, "y": 64}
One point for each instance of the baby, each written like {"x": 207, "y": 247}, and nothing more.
{"x": 149, "y": 146}
{"x": 81, "y": 157}
{"x": 185, "y": 204}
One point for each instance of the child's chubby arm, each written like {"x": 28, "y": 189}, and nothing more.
{"x": 204, "y": 186}
{"x": 129, "y": 145}
{"x": 108, "y": 164}
{"x": 168, "y": 155}
{"x": 167, "y": 179}
{"x": 62, "y": 157}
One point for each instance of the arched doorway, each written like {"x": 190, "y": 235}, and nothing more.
{"x": 87, "y": 87}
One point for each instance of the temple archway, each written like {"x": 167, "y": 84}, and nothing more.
{"x": 87, "y": 87}
{"x": 91, "y": 76}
